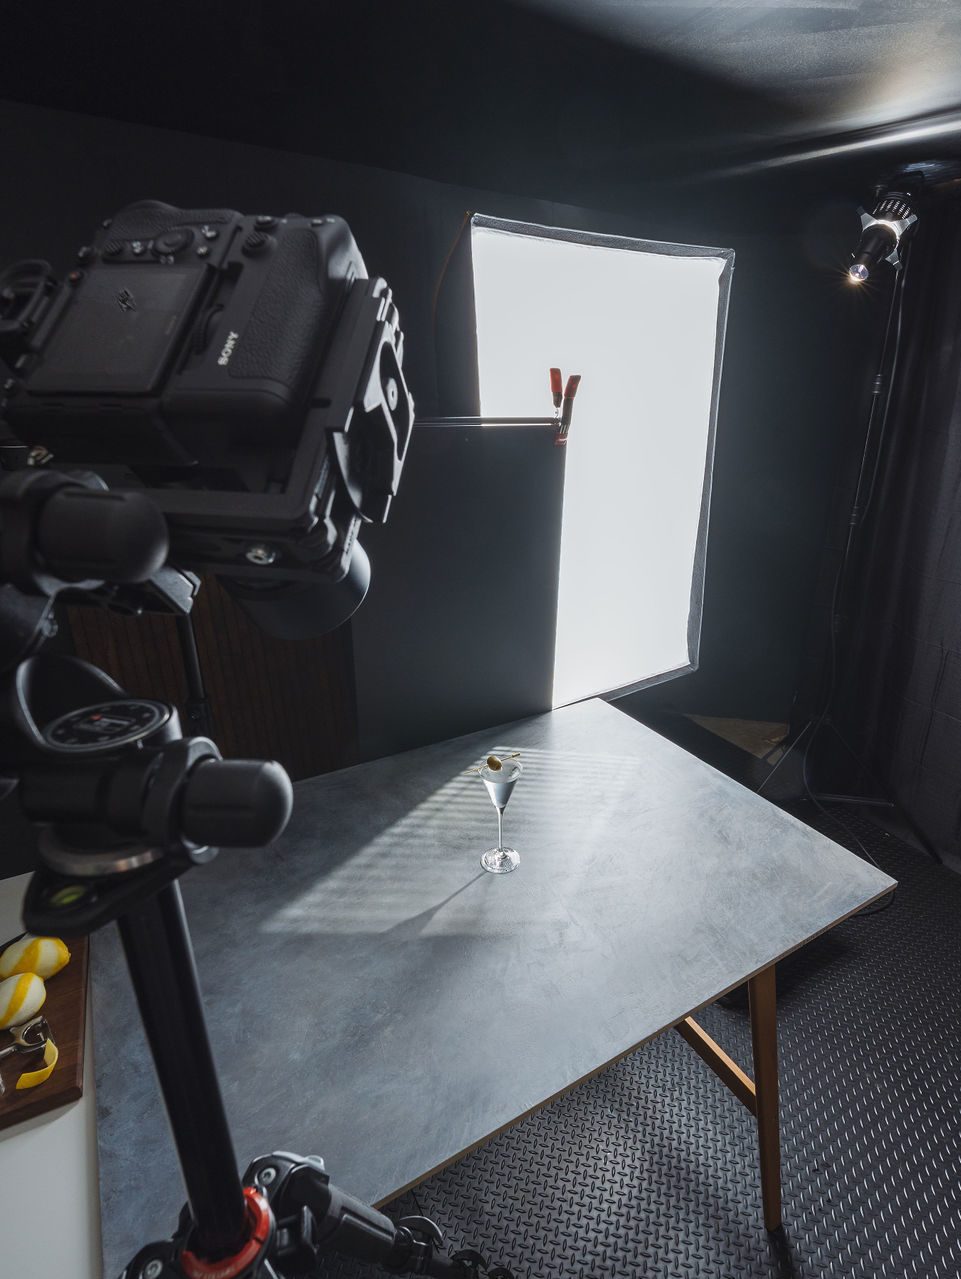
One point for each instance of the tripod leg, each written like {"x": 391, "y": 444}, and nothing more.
{"x": 161, "y": 961}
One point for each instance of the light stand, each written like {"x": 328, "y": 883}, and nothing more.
{"x": 864, "y": 490}
{"x": 882, "y": 236}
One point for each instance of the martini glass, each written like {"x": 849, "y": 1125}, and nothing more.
{"x": 500, "y": 783}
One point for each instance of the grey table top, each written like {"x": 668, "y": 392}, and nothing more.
{"x": 376, "y": 998}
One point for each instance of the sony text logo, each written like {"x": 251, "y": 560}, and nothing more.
{"x": 228, "y": 350}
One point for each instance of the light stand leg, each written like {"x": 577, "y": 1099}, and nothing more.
{"x": 161, "y": 962}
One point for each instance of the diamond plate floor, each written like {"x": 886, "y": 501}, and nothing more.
{"x": 651, "y": 1168}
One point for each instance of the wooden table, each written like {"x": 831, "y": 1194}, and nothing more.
{"x": 376, "y": 998}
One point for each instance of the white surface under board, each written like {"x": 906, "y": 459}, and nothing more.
{"x": 50, "y": 1204}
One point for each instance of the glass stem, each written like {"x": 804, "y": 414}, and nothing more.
{"x": 500, "y": 828}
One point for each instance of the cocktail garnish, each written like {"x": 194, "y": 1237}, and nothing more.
{"x": 492, "y": 762}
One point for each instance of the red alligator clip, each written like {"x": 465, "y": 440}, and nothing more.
{"x": 566, "y": 402}
{"x": 556, "y": 393}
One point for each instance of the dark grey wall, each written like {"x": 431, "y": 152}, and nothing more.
{"x": 418, "y": 638}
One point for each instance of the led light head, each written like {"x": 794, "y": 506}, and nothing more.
{"x": 881, "y": 234}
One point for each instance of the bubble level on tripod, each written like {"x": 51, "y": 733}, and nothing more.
{"x": 106, "y": 726}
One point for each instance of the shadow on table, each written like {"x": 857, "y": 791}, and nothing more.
{"x": 416, "y": 924}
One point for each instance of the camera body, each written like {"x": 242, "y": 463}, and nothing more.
{"x": 243, "y": 371}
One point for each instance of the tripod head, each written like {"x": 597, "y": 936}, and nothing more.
{"x": 108, "y": 779}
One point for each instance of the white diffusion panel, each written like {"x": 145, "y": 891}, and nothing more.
{"x": 643, "y": 325}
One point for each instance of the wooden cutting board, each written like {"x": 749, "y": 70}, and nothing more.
{"x": 65, "y": 1009}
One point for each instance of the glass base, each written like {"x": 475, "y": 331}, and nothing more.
{"x": 500, "y": 860}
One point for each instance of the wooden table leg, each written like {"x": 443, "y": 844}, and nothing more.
{"x": 761, "y": 992}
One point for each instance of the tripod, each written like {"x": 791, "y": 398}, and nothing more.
{"x": 125, "y": 805}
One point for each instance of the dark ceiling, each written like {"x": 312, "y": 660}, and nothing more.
{"x": 836, "y": 65}
{"x": 582, "y": 100}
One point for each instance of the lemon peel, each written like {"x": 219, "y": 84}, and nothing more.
{"x": 30, "y": 1078}
{"x": 44, "y": 956}
{"x": 21, "y": 997}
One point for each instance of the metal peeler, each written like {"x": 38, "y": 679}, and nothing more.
{"x": 22, "y": 1044}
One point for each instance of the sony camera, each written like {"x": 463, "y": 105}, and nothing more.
{"x": 241, "y": 371}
